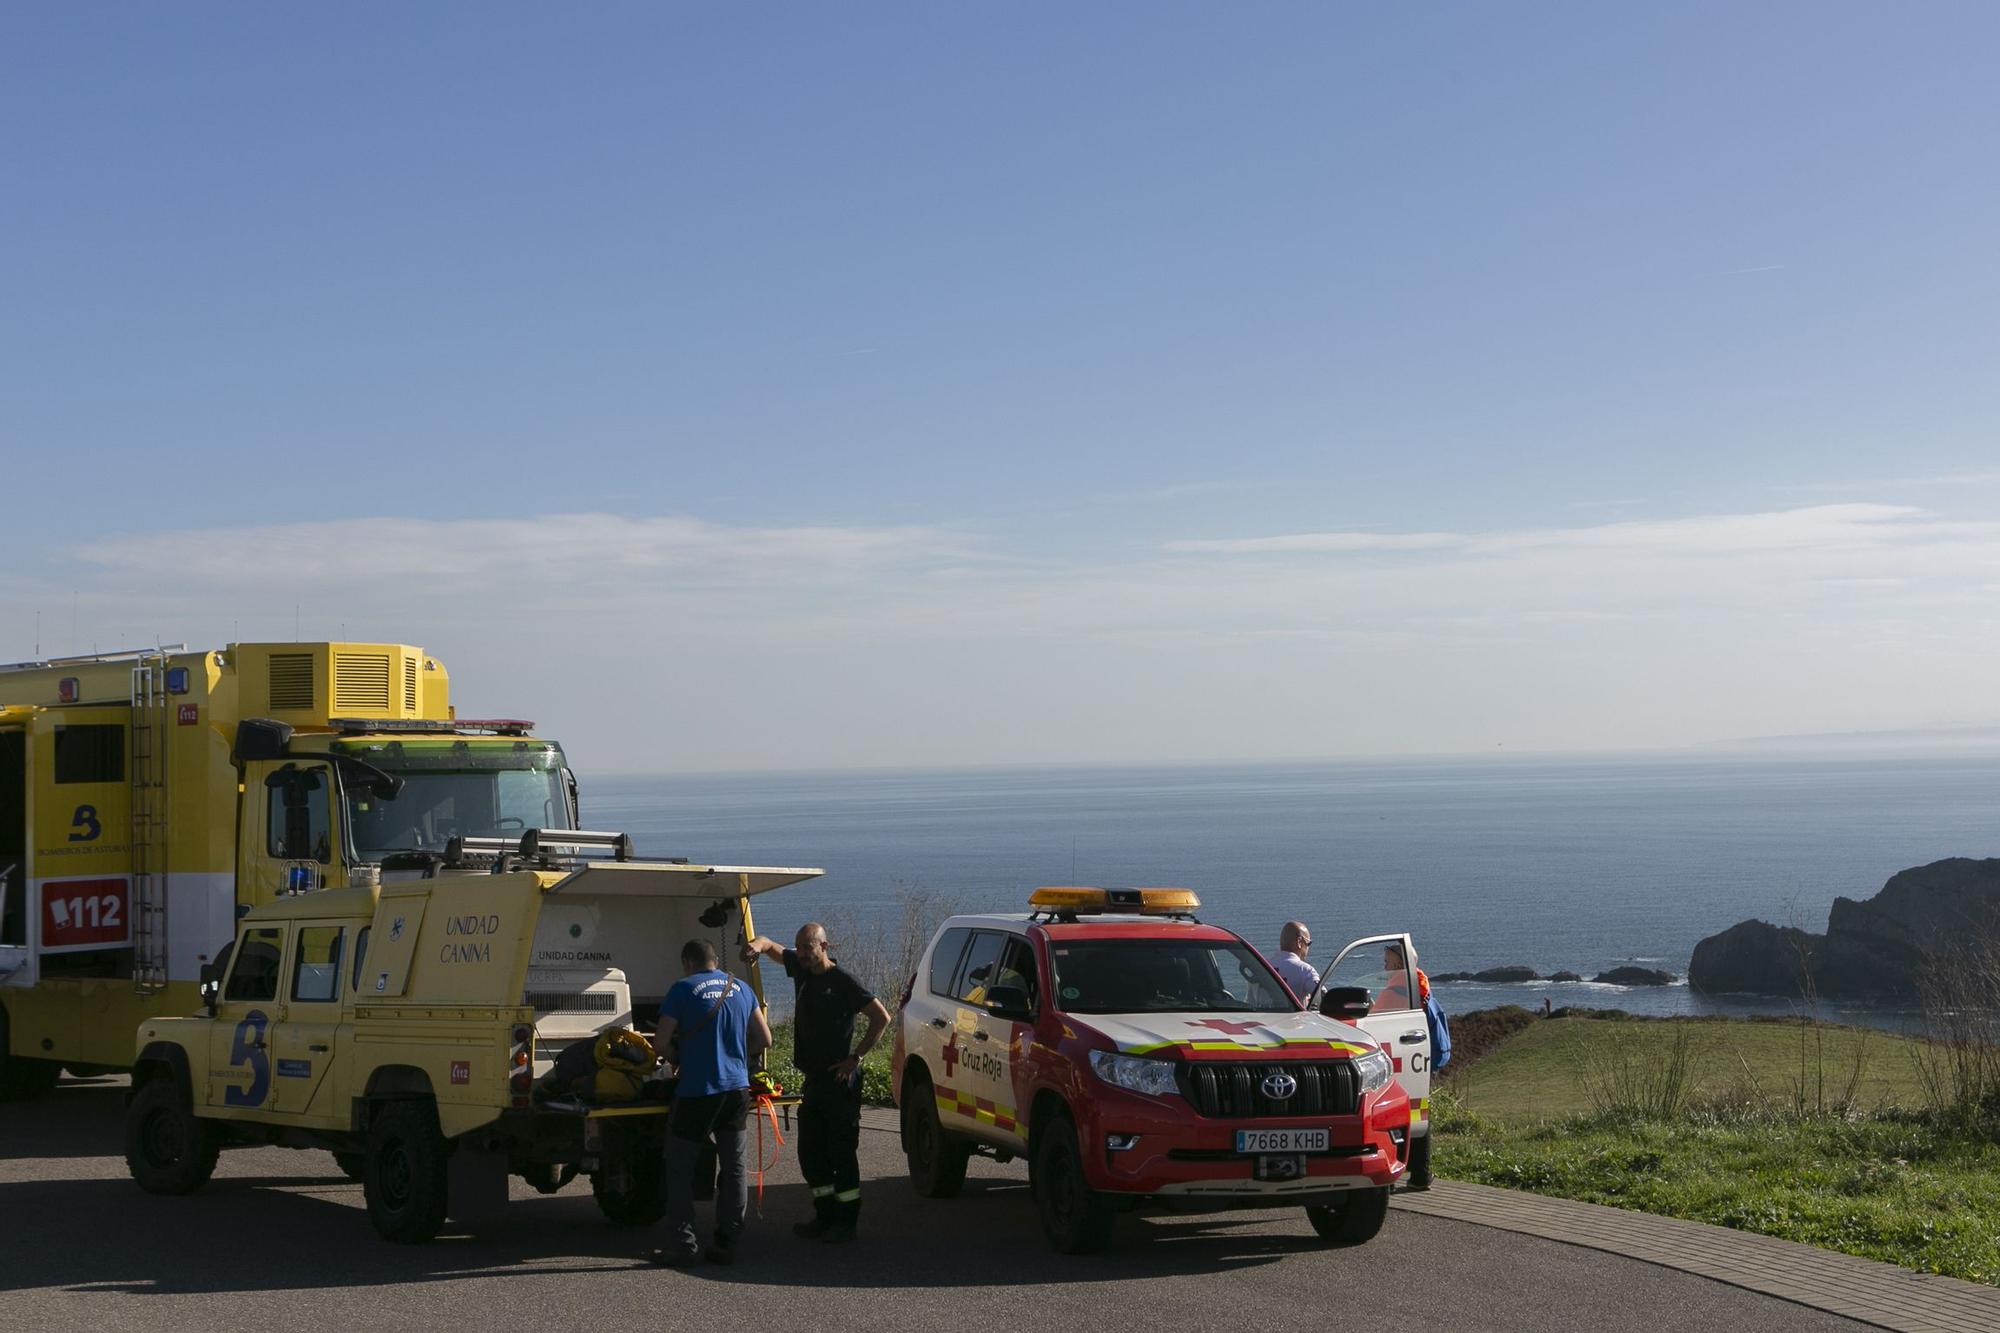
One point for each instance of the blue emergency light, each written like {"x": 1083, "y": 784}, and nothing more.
{"x": 177, "y": 680}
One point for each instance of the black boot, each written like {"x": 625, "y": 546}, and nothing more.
{"x": 813, "y": 1230}
{"x": 840, "y": 1226}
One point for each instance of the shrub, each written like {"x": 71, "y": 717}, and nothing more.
{"x": 1653, "y": 1080}
{"x": 1479, "y": 1031}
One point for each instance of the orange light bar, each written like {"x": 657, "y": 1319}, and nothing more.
{"x": 1141, "y": 902}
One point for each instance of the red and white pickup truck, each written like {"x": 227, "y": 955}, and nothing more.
{"x": 1136, "y": 1056}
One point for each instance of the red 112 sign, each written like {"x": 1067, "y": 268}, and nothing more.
{"x": 86, "y": 914}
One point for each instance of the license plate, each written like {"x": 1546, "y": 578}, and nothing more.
{"x": 1280, "y": 1140}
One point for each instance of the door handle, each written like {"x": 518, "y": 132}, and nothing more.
{"x": 979, "y": 1034}
{"x": 939, "y": 1023}
{"x": 1411, "y": 1038}
{"x": 318, "y": 1048}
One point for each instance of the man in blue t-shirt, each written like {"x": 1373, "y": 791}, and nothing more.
{"x": 719, "y": 1026}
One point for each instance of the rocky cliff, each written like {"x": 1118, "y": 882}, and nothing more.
{"x": 1871, "y": 950}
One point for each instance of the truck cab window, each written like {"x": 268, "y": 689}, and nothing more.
{"x": 254, "y": 977}
{"x": 454, "y": 789}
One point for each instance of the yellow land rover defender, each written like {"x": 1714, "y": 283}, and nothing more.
{"x": 404, "y": 1024}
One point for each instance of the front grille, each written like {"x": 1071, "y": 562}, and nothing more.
{"x": 1232, "y": 1090}
{"x": 572, "y": 1002}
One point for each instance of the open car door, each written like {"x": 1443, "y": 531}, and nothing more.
{"x": 1381, "y": 965}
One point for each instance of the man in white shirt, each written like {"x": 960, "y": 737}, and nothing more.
{"x": 1294, "y": 942}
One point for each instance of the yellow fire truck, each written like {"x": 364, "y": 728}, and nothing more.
{"x": 148, "y": 799}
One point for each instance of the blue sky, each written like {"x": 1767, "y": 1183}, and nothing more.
{"x": 925, "y": 384}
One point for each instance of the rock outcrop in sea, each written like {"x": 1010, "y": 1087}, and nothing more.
{"x": 1635, "y": 976}
{"x": 1617, "y": 976}
{"x": 1876, "y": 949}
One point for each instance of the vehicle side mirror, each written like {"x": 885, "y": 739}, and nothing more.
{"x": 1009, "y": 1002}
{"x": 212, "y": 973}
{"x": 1346, "y": 1003}
{"x": 259, "y": 739}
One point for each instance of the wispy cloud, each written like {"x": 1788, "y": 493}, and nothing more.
{"x": 1816, "y": 526}
{"x": 547, "y": 549}
{"x": 1986, "y": 477}
{"x": 823, "y": 642}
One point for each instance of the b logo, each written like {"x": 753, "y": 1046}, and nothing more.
{"x": 85, "y": 819}
{"x": 248, "y": 1049}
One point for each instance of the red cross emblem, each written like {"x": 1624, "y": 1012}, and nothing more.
{"x": 1224, "y": 1025}
{"x": 951, "y": 1055}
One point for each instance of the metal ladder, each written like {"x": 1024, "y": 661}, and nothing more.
{"x": 150, "y": 721}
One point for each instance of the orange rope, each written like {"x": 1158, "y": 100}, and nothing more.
{"x": 763, "y": 1109}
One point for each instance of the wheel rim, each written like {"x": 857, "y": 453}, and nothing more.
{"x": 395, "y": 1176}
{"x": 158, "y": 1140}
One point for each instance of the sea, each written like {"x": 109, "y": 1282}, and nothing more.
{"x": 1577, "y": 864}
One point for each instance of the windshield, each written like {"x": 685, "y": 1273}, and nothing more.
{"x": 1165, "y": 976}
{"x": 454, "y": 788}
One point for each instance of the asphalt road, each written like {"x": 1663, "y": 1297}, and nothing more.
{"x": 278, "y": 1240}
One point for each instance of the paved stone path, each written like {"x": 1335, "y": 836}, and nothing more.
{"x": 1862, "y": 1289}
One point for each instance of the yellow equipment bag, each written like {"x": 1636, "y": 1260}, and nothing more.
{"x": 624, "y": 1058}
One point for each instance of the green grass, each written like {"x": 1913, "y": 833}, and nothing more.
{"x": 1757, "y": 1147}
{"x": 1536, "y": 1073}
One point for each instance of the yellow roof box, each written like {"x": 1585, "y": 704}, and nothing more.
{"x": 1133, "y": 902}
{"x": 314, "y": 684}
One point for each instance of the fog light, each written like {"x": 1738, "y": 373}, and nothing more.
{"x": 1120, "y": 1142}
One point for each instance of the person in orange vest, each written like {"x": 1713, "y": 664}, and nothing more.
{"x": 1395, "y": 993}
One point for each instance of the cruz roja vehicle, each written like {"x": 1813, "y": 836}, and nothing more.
{"x": 1137, "y": 1057}
{"x": 138, "y": 816}
{"x": 403, "y": 1026}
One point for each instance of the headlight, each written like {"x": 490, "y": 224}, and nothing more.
{"x": 1374, "y": 1068}
{"x": 1155, "y": 1078}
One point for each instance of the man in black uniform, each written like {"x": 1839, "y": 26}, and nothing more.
{"x": 830, "y": 1112}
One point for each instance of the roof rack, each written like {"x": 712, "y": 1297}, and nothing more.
{"x": 87, "y": 659}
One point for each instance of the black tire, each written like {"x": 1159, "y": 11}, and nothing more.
{"x": 1354, "y": 1220}
{"x": 405, "y": 1183}
{"x": 168, "y": 1149}
{"x": 353, "y": 1165}
{"x": 22, "y": 1078}
{"x": 1075, "y": 1218}
{"x": 631, "y": 1184}
{"x": 1419, "y": 1174}
{"x": 937, "y": 1159}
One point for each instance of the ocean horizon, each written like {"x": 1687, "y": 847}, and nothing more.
{"x": 1579, "y": 863}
